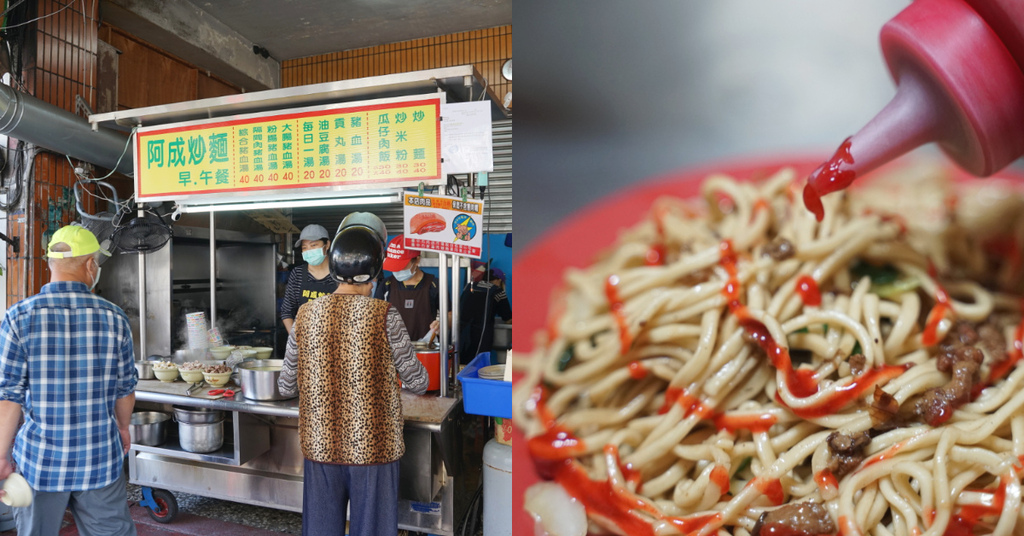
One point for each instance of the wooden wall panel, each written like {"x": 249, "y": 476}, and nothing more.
{"x": 149, "y": 76}
{"x": 208, "y": 87}
{"x": 486, "y": 49}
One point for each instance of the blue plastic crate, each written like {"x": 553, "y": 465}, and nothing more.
{"x": 485, "y": 397}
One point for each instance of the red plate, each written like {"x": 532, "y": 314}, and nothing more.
{"x": 576, "y": 240}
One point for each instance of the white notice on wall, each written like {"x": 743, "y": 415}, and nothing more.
{"x": 466, "y": 137}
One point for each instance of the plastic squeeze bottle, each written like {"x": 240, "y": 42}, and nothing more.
{"x": 959, "y": 71}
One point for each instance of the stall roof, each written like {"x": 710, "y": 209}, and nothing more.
{"x": 461, "y": 83}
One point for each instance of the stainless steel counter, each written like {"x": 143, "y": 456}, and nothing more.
{"x": 261, "y": 461}
{"x": 421, "y": 411}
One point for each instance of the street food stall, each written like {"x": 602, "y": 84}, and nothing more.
{"x": 356, "y": 144}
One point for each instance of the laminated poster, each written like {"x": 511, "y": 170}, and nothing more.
{"x": 443, "y": 224}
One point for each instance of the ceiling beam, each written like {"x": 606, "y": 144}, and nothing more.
{"x": 195, "y": 36}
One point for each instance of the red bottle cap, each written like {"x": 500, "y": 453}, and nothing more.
{"x": 958, "y": 85}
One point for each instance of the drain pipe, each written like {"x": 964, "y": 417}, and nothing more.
{"x": 29, "y": 119}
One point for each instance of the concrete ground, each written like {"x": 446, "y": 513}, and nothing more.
{"x": 203, "y": 516}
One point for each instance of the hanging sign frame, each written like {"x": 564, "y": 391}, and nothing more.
{"x": 319, "y": 151}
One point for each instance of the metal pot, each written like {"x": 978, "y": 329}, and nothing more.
{"x": 149, "y": 428}
{"x": 259, "y": 379}
{"x": 188, "y": 415}
{"x": 201, "y": 437}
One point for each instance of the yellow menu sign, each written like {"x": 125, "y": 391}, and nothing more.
{"x": 394, "y": 143}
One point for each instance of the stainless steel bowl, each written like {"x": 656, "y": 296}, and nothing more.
{"x": 259, "y": 379}
{"x": 149, "y": 428}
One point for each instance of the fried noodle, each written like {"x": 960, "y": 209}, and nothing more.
{"x": 730, "y": 357}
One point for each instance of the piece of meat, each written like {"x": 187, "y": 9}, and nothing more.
{"x": 963, "y": 333}
{"x": 426, "y": 222}
{"x": 992, "y": 342}
{"x": 936, "y": 405}
{"x": 800, "y": 519}
{"x": 847, "y": 451}
{"x": 885, "y": 411}
{"x": 858, "y": 363}
{"x": 780, "y": 249}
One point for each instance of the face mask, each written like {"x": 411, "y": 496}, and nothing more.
{"x": 403, "y": 275}
{"x": 97, "y": 278}
{"x": 314, "y": 256}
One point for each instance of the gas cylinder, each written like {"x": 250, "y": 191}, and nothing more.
{"x": 497, "y": 489}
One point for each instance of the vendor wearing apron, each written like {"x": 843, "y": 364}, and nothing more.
{"x": 414, "y": 293}
{"x": 312, "y": 280}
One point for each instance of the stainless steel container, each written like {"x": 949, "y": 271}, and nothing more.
{"x": 184, "y": 414}
{"x": 149, "y": 428}
{"x": 145, "y": 370}
{"x": 201, "y": 437}
{"x": 259, "y": 379}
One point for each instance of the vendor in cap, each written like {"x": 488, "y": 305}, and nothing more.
{"x": 412, "y": 291}
{"x": 481, "y": 301}
{"x": 342, "y": 360}
{"x": 309, "y": 281}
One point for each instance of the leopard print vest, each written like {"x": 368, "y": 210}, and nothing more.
{"x": 350, "y": 409}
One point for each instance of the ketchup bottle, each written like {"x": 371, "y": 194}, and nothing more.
{"x": 959, "y": 68}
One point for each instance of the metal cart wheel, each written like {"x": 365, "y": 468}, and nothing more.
{"x": 161, "y": 504}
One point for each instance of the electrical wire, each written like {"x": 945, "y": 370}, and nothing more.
{"x": 69, "y": 4}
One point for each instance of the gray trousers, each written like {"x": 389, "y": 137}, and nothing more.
{"x": 97, "y": 512}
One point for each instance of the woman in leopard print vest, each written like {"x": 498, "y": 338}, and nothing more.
{"x": 343, "y": 359}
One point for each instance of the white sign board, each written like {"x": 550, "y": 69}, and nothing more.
{"x": 466, "y": 137}
{"x": 443, "y": 224}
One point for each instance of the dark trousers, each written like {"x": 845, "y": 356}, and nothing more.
{"x": 369, "y": 491}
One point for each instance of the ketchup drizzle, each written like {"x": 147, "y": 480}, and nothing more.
{"x": 771, "y": 488}
{"x": 690, "y": 403}
{"x": 834, "y": 175}
{"x": 808, "y": 290}
{"x": 720, "y": 477}
{"x": 754, "y": 423}
{"x": 930, "y": 335}
{"x": 845, "y": 394}
{"x": 964, "y": 521}
{"x": 826, "y": 481}
{"x": 553, "y": 451}
{"x": 1001, "y": 369}
{"x": 617, "y": 308}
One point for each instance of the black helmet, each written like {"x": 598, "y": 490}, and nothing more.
{"x": 356, "y": 255}
{"x": 366, "y": 219}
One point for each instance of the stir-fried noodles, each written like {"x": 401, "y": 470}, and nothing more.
{"x": 733, "y": 366}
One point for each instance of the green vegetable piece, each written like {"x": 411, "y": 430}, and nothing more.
{"x": 565, "y": 358}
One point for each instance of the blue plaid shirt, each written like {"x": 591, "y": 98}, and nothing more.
{"x": 66, "y": 356}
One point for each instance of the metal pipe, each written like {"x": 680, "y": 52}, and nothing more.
{"x": 442, "y": 289}
{"x": 213, "y": 272}
{"x": 142, "y": 303}
{"x": 29, "y": 119}
{"x": 456, "y": 292}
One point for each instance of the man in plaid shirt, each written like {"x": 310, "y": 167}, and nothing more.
{"x": 67, "y": 367}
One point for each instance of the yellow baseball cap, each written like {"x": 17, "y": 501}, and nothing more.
{"x": 81, "y": 240}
